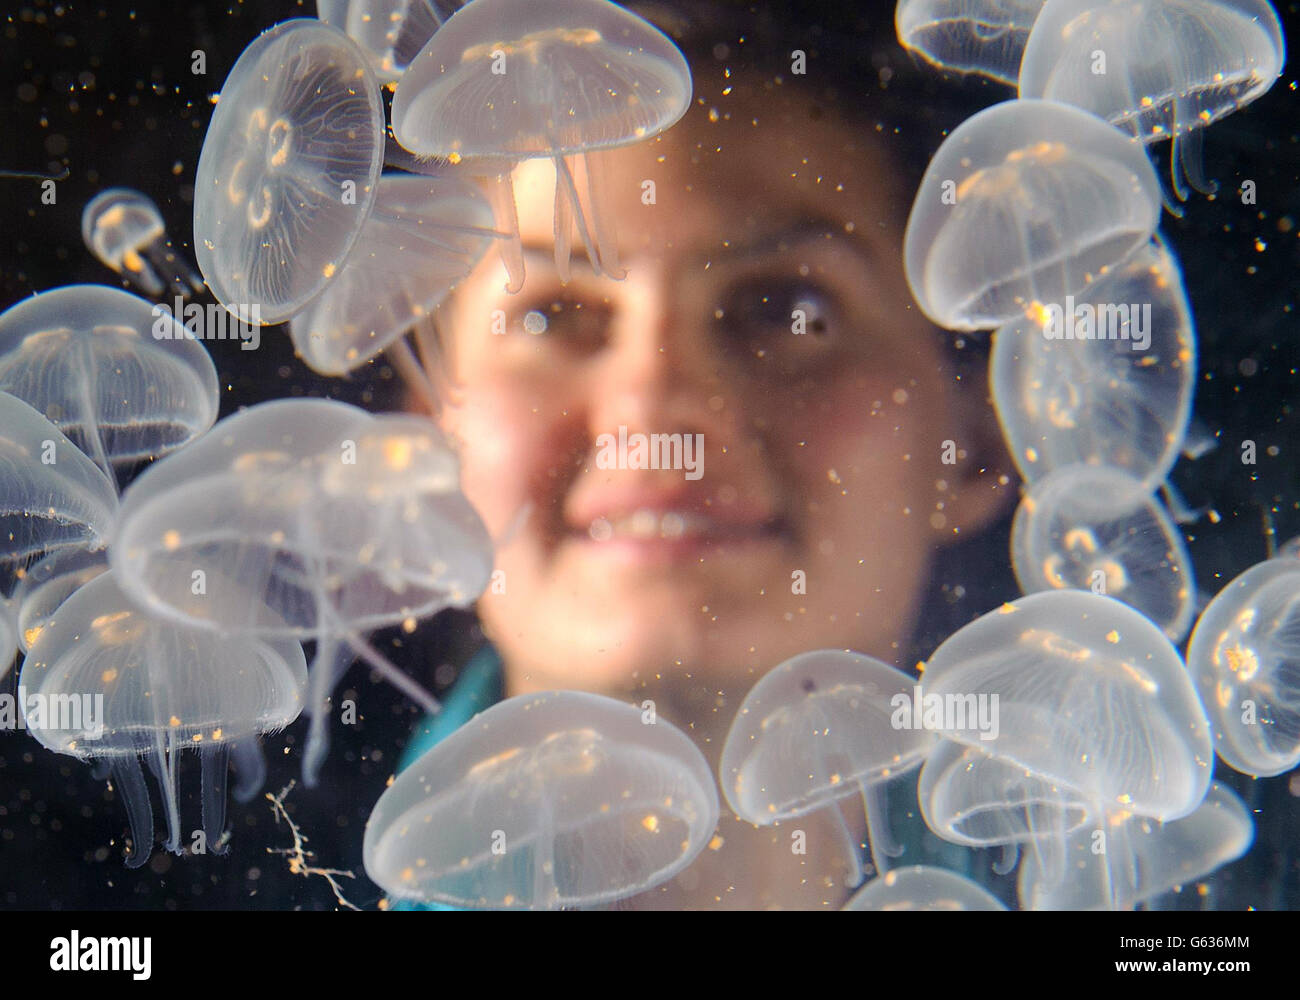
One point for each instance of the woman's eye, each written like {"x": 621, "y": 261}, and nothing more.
{"x": 766, "y": 309}
{"x": 574, "y": 322}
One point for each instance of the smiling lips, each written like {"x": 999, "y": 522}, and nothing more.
{"x": 665, "y": 519}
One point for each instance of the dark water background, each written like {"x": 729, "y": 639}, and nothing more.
{"x": 107, "y": 90}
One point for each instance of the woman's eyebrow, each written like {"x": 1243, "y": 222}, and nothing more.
{"x": 799, "y": 233}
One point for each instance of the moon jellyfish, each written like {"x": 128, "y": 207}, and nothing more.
{"x": 1133, "y": 859}
{"x": 816, "y": 729}
{"x": 1025, "y": 203}
{"x": 561, "y": 79}
{"x": 390, "y": 32}
{"x": 54, "y": 498}
{"x": 424, "y": 235}
{"x": 121, "y": 377}
{"x": 922, "y": 888}
{"x": 125, "y": 231}
{"x": 1106, "y": 380}
{"x": 114, "y": 685}
{"x": 1091, "y": 527}
{"x": 1157, "y": 70}
{"x": 288, "y": 171}
{"x": 334, "y": 522}
{"x": 548, "y": 800}
{"x": 969, "y": 36}
{"x": 50, "y": 582}
{"x": 1245, "y": 659}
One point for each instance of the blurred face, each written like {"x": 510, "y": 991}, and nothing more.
{"x": 765, "y": 320}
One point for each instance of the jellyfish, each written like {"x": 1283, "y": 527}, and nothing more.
{"x": 335, "y": 522}
{"x": 390, "y": 32}
{"x": 54, "y": 496}
{"x": 423, "y": 237}
{"x": 289, "y": 170}
{"x": 1154, "y": 857}
{"x": 50, "y": 582}
{"x": 919, "y": 887}
{"x": 510, "y": 80}
{"x": 122, "y": 378}
{"x": 1117, "y": 391}
{"x": 124, "y": 230}
{"x": 1166, "y": 69}
{"x": 544, "y": 801}
{"x": 129, "y": 687}
{"x": 8, "y": 636}
{"x": 1025, "y": 203}
{"x": 1096, "y": 528}
{"x": 969, "y": 36}
{"x": 816, "y": 729}
{"x": 1244, "y": 656}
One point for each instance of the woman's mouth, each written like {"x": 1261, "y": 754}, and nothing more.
{"x": 673, "y": 535}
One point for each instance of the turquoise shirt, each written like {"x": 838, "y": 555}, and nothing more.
{"x": 482, "y": 685}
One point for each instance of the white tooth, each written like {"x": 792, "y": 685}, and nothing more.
{"x": 601, "y": 530}
{"x": 672, "y": 525}
{"x": 644, "y": 523}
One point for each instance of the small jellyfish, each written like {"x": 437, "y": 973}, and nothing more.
{"x": 335, "y": 522}
{"x": 509, "y": 80}
{"x": 53, "y": 499}
{"x": 544, "y": 801}
{"x": 124, "y": 230}
{"x": 390, "y": 32}
{"x": 50, "y": 582}
{"x": 288, "y": 171}
{"x": 1025, "y": 203}
{"x": 1157, "y": 70}
{"x": 424, "y": 235}
{"x": 922, "y": 888}
{"x": 816, "y": 729}
{"x": 969, "y": 36}
{"x": 1244, "y": 656}
{"x": 105, "y": 682}
{"x": 1096, "y": 528}
{"x": 1105, "y": 379}
{"x": 123, "y": 379}
{"x": 1132, "y": 859}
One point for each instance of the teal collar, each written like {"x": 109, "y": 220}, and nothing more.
{"x": 480, "y": 686}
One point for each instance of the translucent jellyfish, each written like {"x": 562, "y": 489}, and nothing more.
{"x": 334, "y": 522}
{"x": 53, "y": 496}
{"x": 1289, "y": 549}
{"x": 125, "y": 231}
{"x": 8, "y": 636}
{"x": 1105, "y": 380}
{"x": 816, "y": 729}
{"x": 1025, "y": 203}
{"x": 288, "y": 171}
{"x": 1245, "y": 659}
{"x": 106, "y": 682}
{"x": 1166, "y": 69}
{"x": 1092, "y": 527}
{"x": 968, "y": 36}
{"x": 560, "y": 79}
{"x": 919, "y": 887}
{"x": 424, "y": 235}
{"x": 548, "y": 800}
{"x": 1092, "y": 698}
{"x": 50, "y": 582}
{"x": 122, "y": 378}
{"x": 390, "y": 32}
{"x": 1132, "y": 859}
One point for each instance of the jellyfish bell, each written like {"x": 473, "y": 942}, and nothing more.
{"x": 922, "y": 888}
{"x": 118, "y": 375}
{"x": 289, "y": 169}
{"x": 548, "y": 800}
{"x": 125, "y": 231}
{"x": 560, "y": 79}
{"x": 1097, "y": 528}
{"x": 54, "y": 497}
{"x": 1167, "y": 69}
{"x": 107, "y": 682}
{"x": 390, "y": 32}
{"x": 816, "y": 729}
{"x": 1113, "y": 389}
{"x": 50, "y": 582}
{"x": 986, "y": 37}
{"x": 1244, "y": 657}
{"x": 1025, "y": 203}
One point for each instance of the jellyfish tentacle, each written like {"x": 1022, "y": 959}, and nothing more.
{"x": 1006, "y": 864}
{"x": 87, "y": 422}
{"x": 544, "y": 885}
{"x": 412, "y": 373}
{"x": 250, "y": 768}
{"x": 852, "y": 849}
{"x": 562, "y": 227}
{"x": 571, "y": 190}
{"x": 390, "y": 672}
{"x": 169, "y": 782}
{"x": 882, "y": 842}
{"x": 128, "y": 779}
{"x": 331, "y": 660}
{"x": 1191, "y": 158}
{"x": 214, "y": 765}
{"x": 595, "y": 165}
{"x": 501, "y": 195}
